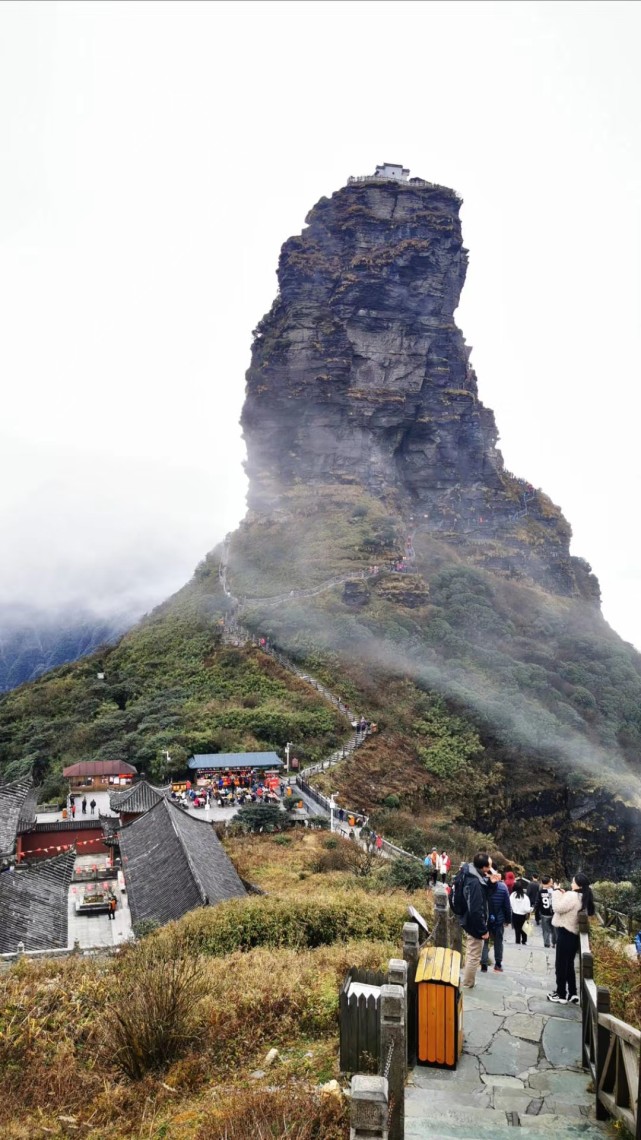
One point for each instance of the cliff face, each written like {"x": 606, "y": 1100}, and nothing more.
{"x": 359, "y": 375}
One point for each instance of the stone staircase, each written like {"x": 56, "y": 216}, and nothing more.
{"x": 521, "y": 1063}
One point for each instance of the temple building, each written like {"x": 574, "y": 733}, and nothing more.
{"x": 173, "y": 863}
{"x": 17, "y": 814}
{"x": 34, "y": 905}
{"x": 137, "y": 799}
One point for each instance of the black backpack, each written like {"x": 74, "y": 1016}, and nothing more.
{"x": 456, "y": 897}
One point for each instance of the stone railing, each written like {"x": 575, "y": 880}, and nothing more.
{"x": 378, "y": 1102}
{"x": 355, "y": 179}
{"x": 61, "y": 952}
{"x": 611, "y": 1049}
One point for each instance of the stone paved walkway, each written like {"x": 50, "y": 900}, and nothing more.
{"x": 521, "y": 1055}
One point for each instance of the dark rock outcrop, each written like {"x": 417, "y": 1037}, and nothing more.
{"x": 359, "y": 375}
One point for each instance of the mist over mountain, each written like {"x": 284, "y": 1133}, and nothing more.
{"x": 388, "y": 549}
{"x": 32, "y": 641}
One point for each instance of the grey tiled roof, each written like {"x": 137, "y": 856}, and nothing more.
{"x": 17, "y": 812}
{"x": 139, "y": 797}
{"x": 33, "y": 905}
{"x": 173, "y": 863}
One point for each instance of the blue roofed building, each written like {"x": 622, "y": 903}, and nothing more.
{"x": 206, "y": 766}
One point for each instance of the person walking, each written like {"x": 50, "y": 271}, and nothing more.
{"x": 474, "y": 920}
{"x": 533, "y": 889}
{"x": 434, "y": 871}
{"x": 113, "y": 904}
{"x": 566, "y": 906}
{"x": 444, "y": 863}
{"x": 84, "y": 805}
{"x": 543, "y": 912}
{"x": 510, "y": 879}
{"x": 500, "y": 916}
{"x": 521, "y": 909}
{"x": 73, "y": 811}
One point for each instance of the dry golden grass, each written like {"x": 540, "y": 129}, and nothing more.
{"x": 267, "y": 979}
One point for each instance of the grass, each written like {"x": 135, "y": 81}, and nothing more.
{"x": 163, "y": 1039}
{"x": 619, "y": 973}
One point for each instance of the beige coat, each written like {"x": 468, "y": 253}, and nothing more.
{"x": 566, "y": 906}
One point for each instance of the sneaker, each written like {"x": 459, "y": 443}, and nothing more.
{"x": 574, "y": 999}
{"x": 483, "y": 969}
{"x": 559, "y": 1000}
{"x": 498, "y": 969}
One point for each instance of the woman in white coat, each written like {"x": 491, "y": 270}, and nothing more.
{"x": 521, "y": 908}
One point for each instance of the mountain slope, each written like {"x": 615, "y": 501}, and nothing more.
{"x": 506, "y": 705}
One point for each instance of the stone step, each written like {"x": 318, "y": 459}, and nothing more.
{"x": 467, "y": 1123}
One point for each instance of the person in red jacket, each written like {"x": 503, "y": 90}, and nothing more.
{"x": 510, "y": 879}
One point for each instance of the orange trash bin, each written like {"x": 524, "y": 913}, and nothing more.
{"x": 439, "y": 1004}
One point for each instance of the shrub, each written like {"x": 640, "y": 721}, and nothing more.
{"x": 407, "y": 874}
{"x": 260, "y": 920}
{"x": 392, "y": 801}
{"x": 144, "y": 927}
{"x": 150, "y": 1022}
{"x": 298, "y": 1114}
{"x": 259, "y": 817}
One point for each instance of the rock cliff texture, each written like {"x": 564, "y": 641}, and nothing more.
{"x": 359, "y": 375}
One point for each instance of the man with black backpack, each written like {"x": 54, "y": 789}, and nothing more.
{"x": 469, "y": 902}
{"x": 543, "y": 911}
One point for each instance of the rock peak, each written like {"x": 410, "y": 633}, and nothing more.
{"x": 360, "y": 375}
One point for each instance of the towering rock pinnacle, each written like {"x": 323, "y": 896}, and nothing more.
{"x": 359, "y": 375}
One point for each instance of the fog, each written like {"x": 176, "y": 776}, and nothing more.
{"x": 154, "y": 157}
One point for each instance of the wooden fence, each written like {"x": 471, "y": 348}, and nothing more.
{"x": 617, "y": 921}
{"x": 611, "y": 1049}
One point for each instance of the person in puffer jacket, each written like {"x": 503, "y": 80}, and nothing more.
{"x": 474, "y": 921}
{"x": 567, "y": 906}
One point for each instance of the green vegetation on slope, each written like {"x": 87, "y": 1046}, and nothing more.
{"x": 169, "y": 684}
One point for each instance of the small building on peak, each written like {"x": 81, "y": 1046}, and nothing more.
{"x": 392, "y": 170}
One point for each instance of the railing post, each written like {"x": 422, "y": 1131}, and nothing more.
{"x": 393, "y": 1058}
{"x": 447, "y": 929}
{"x": 369, "y": 1108}
{"x": 602, "y": 1041}
{"x": 637, "y": 1133}
{"x": 440, "y": 932}
{"x": 397, "y": 976}
{"x": 411, "y": 950}
{"x": 586, "y": 975}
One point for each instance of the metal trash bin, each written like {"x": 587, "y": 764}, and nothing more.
{"x": 440, "y": 1007}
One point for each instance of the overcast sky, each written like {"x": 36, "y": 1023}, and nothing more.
{"x": 154, "y": 157}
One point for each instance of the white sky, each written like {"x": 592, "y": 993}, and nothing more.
{"x": 154, "y": 157}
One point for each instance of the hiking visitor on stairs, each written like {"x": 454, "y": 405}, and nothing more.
{"x": 566, "y": 906}
{"x": 521, "y": 909}
{"x": 470, "y": 904}
{"x": 500, "y": 916}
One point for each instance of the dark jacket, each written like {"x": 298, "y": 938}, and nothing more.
{"x": 544, "y": 894}
{"x": 475, "y": 889}
{"x": 533, "y": 892}
{"x": 498, "y": 901}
